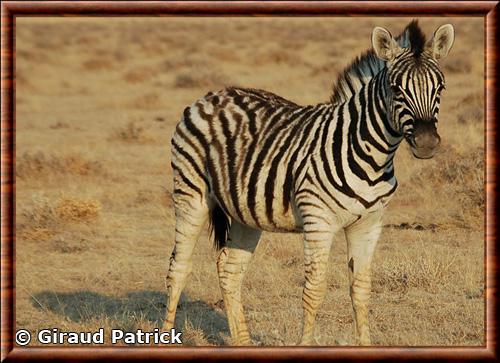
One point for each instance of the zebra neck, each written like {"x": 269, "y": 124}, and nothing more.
{"x": 355, "y": 152}
{"x": 372, "y": 140}
{"x": 378, "y": 103}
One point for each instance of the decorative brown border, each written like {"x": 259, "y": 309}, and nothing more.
{"x": 11, "y": 9}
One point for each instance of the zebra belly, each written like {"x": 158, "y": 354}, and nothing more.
{"x": 286, "y": 222}
{"x": 259, "y": 205}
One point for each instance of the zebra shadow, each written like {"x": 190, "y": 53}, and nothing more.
{"x": 136, "y": 309}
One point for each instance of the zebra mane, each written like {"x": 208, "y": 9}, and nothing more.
{"x": 366, "y": 66}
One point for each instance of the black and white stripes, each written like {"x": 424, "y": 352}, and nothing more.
{"x": 249, "y": 160}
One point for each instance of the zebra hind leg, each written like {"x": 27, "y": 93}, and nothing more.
{"x": 231, "y": 265}
{"x": 361, "y": 241}
{"x": 191, "y": 213}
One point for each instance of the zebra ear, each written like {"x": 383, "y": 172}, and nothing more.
{"x": 442, "y": 41}
{"x": 384, "y": 45}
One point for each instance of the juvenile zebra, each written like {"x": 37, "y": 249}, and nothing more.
{"x": 252, "y": 161}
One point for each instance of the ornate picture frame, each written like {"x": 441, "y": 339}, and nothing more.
{"x": 13, "y": 9}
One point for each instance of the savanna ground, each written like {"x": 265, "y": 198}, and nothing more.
{"x": 97, "y": 100}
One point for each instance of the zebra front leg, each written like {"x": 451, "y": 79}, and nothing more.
{"x": 318, "y": 237}
{"x": 362, "y": 238}
{"x": 188, "y": 226}
{"x": 231, "y": 265}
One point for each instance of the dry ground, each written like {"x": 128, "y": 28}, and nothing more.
{"x": 96, "y": 102}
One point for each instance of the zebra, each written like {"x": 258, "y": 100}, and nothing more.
{"x": 248, "y": 161}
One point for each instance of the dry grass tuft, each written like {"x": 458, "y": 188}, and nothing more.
{"x": 62, "y": 244}
{"x": 44, "y": 219}
{"x": 41, "y": 215}
{"x": 36, "y": 233}
{"x": 138, "y": 75}
{"x": 204, "y": 79}
{"x": 97, "y": 64}
{"x": 278, "y": 56}
{"x": 193, "y": 336}
{"x": 59, "y": 125}
{"x": 30, "y": 165}
{"x": 148, "y": 101}
{"x": 77, "y": 210}
{"x": 132, "y": 132}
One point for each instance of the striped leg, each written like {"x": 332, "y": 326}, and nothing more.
{"x": 361, "y": 241}
{"x": 231, "y": 265}
{"x": 318, "y": 237}
{"x": 188, "y": 225}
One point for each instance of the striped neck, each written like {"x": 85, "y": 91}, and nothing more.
{"x": 372, "y": 138}
{"x": 381, "y": 100}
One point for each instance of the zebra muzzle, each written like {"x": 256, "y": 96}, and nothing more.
{"x": 425, "y": 140}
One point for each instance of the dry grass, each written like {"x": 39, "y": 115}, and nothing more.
{"x": 463, "y": 174}
{"x": 200, "y": 80}
{"x": 74, "y": 209}
{"x": 132, "y": 132}
{"x": 35, "y": 165}
{"x": 97, "y": 101}
{"x": 45, "y": 219}
{"x": 420, "y": 270}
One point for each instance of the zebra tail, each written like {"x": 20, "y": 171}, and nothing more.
{"x": 219, "y": 227}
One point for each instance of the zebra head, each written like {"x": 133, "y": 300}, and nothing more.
{"x": 414, "y": 83}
